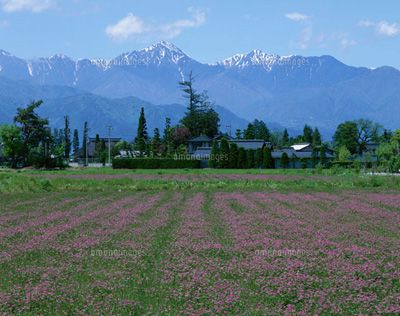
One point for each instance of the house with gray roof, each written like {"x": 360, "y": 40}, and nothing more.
{"x": 301, "y": 156}
{"x": 200, "y": 147}
{"x": 248, "y": 144}
{"x": 91, "y": 145}
{"x": 202, "y": 141}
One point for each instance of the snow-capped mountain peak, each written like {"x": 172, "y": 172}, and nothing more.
{"x": 101, "y": 63}
{"x": 59, "y": 57}
{"x": 160, "y": 53}
{"x": 4, "y": 53}
{"x": 163, "y": 46}
{"x": 253, "y": 58}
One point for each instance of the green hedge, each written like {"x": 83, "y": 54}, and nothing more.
{"x": 343, "y": 164}
{"x": 154, "y": 163}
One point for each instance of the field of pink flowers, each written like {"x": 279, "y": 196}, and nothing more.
{"x": 203, "y": 252}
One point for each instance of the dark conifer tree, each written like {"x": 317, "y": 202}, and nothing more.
{"x": 307, "y": 134}
{"x": 249, "y": 132}
{"x": 314, "y": 157}
{"x": 200, "y": 117}
{"x": 284, "y": 160}
{"x": 97, "y": 147}
{"x": 233, "y": 156}
{"x": 285, "y": 138}
{"x": 238, "y": 134}
{"x": 215, "y": 155}
{"x": 141, "y": 136}
{"x": 317, "y": 140}
{"x": 259, "y": 158}
{"x": 293, "y": 160}
{"x": 75, "y": 142}
{"x": 261, "y": 130}
{"x": 322, "y": 155}
{"x": 268, "y": 160}
{"x": 242, "y": 158}
{"x": 224, "y": 154}
{"x": 67, "y": 137}
{"x": 56, "y": 137}
{"x": 103, "y": 152}
{"x": 250, "y": 158}
{"x": 168, "y": 143}
{"x": 387, "y": 136}
{"x": 84, "y": 139}
{"x": 156, "y": 142}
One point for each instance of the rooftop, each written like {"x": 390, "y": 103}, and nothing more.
{"x": 300, "y": 146}
{"x": 201, "y": 138}
{"x": 277, "y": 154}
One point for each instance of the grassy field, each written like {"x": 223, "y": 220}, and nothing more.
{"x": 107, "y": 179}
{"x": 100, "y": 242}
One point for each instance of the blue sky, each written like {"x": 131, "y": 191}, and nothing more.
{"x": 362, "y": 33}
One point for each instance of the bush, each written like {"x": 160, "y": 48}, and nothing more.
{"x": 357, "y": 165}
{"x": 154, "y": 163}
{"x": 318, "y": 169}
{"x": 342, "y": 164}
{"x": 394, "y": 165}
{"x": 233, "y": 156}
{"x": 242, "y": 159}
{"x": 268, "y": 161}
{"x": 40, "y": 161}
{"x": 284, "y": 162}
{"x": 250, "y": 158}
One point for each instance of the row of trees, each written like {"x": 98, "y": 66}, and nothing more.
{"x": 228, "y": 155}
{"x": 200, "y": 119}
{"x": 29, "y": 141}
{"x": 62, "y": 138}
{"x": 258, "y": 130}
{"x": 352, "y": 138}
{"x": 225, "y": 155}
{"x": 174, "y": 138}
{"x": 355, "y": 135}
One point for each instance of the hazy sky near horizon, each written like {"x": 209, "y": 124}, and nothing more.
{"x": 361, "y": 33}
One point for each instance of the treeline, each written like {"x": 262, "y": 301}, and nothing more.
{"x": 258, "y": 130}
{"x": 31, "y": 142}
{"x": 200, "y": 118}
{"x": 352, "y": 139}
{"x": 227, "y": 155}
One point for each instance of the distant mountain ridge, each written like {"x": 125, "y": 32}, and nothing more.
{"x": 290, "y": 90}
{"x": 122, "y": 113}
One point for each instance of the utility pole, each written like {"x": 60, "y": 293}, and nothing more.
{"x": 109, "y": 143}
{"x": 86, "y": 154}
{"x": 229, "y": 128}
{"x": 87, "y": 145}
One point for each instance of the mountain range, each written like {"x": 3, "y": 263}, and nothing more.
{"x": 281, "y": 90}
{"x": 120, "y": 113}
